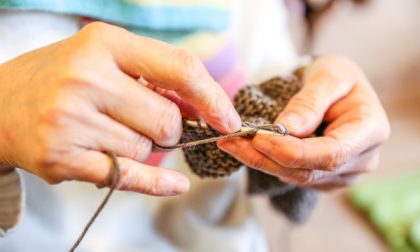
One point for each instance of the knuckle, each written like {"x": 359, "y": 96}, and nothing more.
{"x": 96, "y": 29}
{"x": 289, "y": 156}
{"x": 51, "y": 172}
{"x": 169, "y": 126}
{"x": 148, "y": 181}
{"x": 187, "y": 66}
{"x": 75, "y": 70}
{"x": 306, "y": 103}
{"x": 142, "y": 148}
{"x": 129, "y": 177}
{"x": 157, "y": 187}
{"x": 46, "y": 159}
{"x": 305, "y": 177}
{"x": 337, "y": 159}
{"x": 293, "y": 158}
{"x": 75, "y": 75}
{"x": 257, "y": 161}
{"x": 92, "y": 43}
{"x": 218, "y": 109}
{"x": 57, "y": 117}
{"x": 150, "y": 184}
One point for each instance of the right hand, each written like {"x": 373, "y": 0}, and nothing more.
{"x": 61, "y": 106}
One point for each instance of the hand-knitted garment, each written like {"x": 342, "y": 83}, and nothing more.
{"x": 257, "y": 105}
{"x": 11, "y": 198}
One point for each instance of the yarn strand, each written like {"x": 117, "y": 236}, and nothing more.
{"x": 113, "y": 178}
{"x": 247, "y": 130}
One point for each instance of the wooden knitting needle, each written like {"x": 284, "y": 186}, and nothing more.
{"x": 269, "y": 129}
{"x": 245, "y": 131}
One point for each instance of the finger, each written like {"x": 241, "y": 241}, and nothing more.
{"x": 323, "y": 86}
{"x": 366, "y": 162}
{"x": 349, "y": 173}
{"x": 349, "y": 136}
{"x": 124, "y": 142}
{"x": 95, "y": 167}
{"x": 141, "y": 109}
{"x": 243, "y": 150}
{"x": 321, "y": 153}
{"x": 187, "y": 111}
{"x": 172, "y": 69}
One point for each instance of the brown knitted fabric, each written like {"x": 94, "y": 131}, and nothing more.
{"x": 256, "y": 105}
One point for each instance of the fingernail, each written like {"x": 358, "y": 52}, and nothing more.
{"x": 173, "y": 185}
{"x": 263, "y": 145}
{"x": 292, "y": 122}
{"x": 235, "y": 121}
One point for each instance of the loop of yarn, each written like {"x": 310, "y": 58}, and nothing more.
{"x": 111, "y": 181}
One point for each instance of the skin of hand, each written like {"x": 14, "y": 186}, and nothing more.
{"x": 61, "y": 106}
{"x": 335, "y": 91}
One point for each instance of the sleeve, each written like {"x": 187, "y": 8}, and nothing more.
{"x": 11, "y": 198}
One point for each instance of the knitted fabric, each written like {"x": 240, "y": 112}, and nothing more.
{"x": 259, "y": 104}
{"x": 11, "y": 199}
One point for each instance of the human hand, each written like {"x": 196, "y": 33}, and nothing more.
{"x": 61, "y": 106}
{"x": 336, "y": 91}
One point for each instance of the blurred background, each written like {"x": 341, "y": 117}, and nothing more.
{"x": 385, "y": 41}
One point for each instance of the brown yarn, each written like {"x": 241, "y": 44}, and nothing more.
{"x": 112, "y": 180}
{"x": 257, "y": 105}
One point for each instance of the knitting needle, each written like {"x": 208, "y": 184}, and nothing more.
{"x": 245, "y": 131}
{"x": 269, "y": 129}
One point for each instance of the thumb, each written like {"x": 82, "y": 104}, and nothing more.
{"x": 324, "y": 84}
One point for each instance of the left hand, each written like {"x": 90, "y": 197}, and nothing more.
{"x": 336, "y": 91}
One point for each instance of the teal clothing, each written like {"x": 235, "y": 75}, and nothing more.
{"x": 145, "y": 15}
